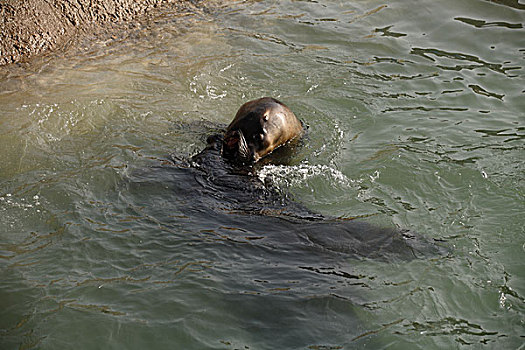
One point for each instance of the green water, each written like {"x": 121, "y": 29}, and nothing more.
{"x": 416, "y": 116}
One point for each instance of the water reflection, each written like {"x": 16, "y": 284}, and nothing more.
{"x": 428, "y": 53}
{"x": 511, "y": 3}
{"x": 387, "y": 32}
{"x": 480, "y": 23}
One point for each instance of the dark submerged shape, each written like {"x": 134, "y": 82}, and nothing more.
{"x": 217, "y": 194}
{"x": 259, "y": 127}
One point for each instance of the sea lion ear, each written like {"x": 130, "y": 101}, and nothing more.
{"x": 266, "y": 115}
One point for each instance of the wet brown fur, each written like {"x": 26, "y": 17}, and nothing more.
{"x": 265, "y": 124}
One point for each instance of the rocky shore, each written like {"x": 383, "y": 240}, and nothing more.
{"x": 36, "y": 27}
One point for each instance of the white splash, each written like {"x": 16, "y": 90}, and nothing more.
{"x": 9, "y": 201}
{"x": 297, "y": 175}
{"x": 226, "y": 68}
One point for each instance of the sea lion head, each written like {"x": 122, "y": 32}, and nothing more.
{"x": 259, "y": 127}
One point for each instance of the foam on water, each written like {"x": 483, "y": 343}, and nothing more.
{"x": 285, "y": 176}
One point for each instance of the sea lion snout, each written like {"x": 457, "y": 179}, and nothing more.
{"x": 259, "y": 127}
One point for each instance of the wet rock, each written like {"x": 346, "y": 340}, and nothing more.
{"x": 32, "y": 28}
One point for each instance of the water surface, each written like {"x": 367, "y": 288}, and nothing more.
{"x": 416, "y": 117}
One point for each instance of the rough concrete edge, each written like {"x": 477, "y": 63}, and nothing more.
{"x": 36, "y": 28}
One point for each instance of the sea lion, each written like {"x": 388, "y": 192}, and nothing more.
{"x": 259, "y": 127}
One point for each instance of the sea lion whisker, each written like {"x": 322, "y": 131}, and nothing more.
{"x": 244, "y": 151}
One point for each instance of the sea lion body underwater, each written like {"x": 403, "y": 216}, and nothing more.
{"x": 259, "y": 127}
{"x": 232, "y": 192}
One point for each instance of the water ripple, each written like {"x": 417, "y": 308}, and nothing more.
{"x": 428, "y": 53}
{"x": 410, "y": 124}
{"x": 483, "y": 24}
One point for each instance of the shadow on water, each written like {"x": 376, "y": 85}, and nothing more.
{"x": 230, "y": 201}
